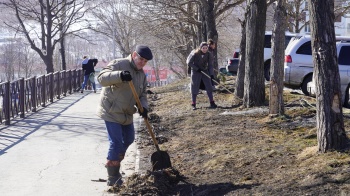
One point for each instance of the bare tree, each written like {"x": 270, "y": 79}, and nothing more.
{"x": 115, "y": 22}
{"x": 62, "y": 35}
{"x": 18, "y": 60}
{"x": 182, "y": 25}
{"x": 239, "y": 92}
{"x": 296, "y": 15}
{"x": 254, "y": 88}
{"x": 8, "y": 59}
{"x": 329, "y": 116}
{"x": 41, "y": 23}
{"x": 297, "y": 12}
{"x": 277, "y": 59}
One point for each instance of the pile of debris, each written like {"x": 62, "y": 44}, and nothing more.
{"x": 159, "y": 182}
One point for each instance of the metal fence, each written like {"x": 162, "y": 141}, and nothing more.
{"x": 23, "y": 96}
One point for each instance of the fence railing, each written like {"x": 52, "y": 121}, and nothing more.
{"x": 23, "y": 96}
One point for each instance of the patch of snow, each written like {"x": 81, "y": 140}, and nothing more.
{"x": 252, "y": 111}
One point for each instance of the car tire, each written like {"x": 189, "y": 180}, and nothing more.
{"x": 267, "y": 68}
{"x": 307, "y": 79}
{"x": 346, "y": 98}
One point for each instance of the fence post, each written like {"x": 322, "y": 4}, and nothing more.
{"x": 7, "y": 105}
{"x": 80, "y": 78}
{"x": 64, "y": 87}
{"x": 74, "y": 76}
{"x": 64, "y": 83}
{"x": 58, "y": 85}
{"x": 33, "y": 94}
{"x": 21, "y": 97}
{"x": 70, "y": 81}
{"x": 43, "y": 91}
{"x": 51, "y": 87}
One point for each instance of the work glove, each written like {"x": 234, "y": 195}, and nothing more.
{"x": 211, "y": 77}
{"x": 125, "y": 76}
{"x": 199, "y": 70}
{"x": 144, "y": 113}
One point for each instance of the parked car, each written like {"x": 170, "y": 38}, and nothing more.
{"x": 268, "y": 51}
{"x": 232, "y": 66}
{"x": 236, "y": 54}
{"x": 298, "y": 65}
{"x": 224, "y": 71}
{"x": 343, "y": 51}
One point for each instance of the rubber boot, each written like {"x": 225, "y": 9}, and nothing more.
{"x": 121, "y": 157}
{"x": 213, "y": 105}
{"x": 193, "y": 106}
{"x": 114, "y": 176}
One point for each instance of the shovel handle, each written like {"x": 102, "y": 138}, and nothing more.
{"x": 139, "y": 106}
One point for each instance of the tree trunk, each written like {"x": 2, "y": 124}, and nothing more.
{"x": 62, "y": 41}
{"x": 48, "y": 60}
{"x": 63, "y": 56}
{"x": 254, "y": 87}
{"x": 200, "y": 37}
{"x": 239, "y": 92}
{"x": 212, "y": 33}
{"x": 49, "y": 48}
{"x": 329, "y": 116}
{"x": 277, "y": 59}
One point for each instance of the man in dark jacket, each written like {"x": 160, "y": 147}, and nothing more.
{"x": 88, "y": 66}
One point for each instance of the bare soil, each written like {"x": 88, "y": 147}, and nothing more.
{"x": 233, "y": 150}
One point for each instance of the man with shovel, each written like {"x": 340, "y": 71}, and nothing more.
{"x": 117, "y": 105}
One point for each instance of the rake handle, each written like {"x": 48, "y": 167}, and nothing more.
{"x": 216, "y": 82}
{"x": 139, "y": 106}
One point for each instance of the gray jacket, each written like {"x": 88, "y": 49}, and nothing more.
{"x": 197, "y": 61}
{"x": 117, "y": 103}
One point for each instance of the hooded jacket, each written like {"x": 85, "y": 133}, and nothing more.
{"x": 117, "y": 103}
{"x": 203, "y": 61}
{"x": 88, "y": 65}
{"x": 199, "y": 60}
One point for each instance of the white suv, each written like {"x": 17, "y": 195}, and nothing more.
{"x": 298, "y": 65}
{"x": 343, "y": 52}
{"x": 268, "y": 51}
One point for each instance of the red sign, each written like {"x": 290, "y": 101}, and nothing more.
{"x": 163, "y": 75}
{"x": 151, "y": 76}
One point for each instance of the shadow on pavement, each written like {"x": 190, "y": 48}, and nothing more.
{"x": 21, "y": 128}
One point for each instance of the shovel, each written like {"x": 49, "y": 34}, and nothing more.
{"x": 160, "y": 159}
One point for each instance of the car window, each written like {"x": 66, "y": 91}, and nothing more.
{"x": 288, "y": 38}
{"x": 344, "y": 55}
{"x": 305, "y": 48}
{"x": 267, "y": 41}
{"x": 291, "y": 43}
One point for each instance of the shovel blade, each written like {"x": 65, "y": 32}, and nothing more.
{"x": 160, "y": 160}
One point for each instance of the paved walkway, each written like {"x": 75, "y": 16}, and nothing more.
{"x": 59, "y": 151}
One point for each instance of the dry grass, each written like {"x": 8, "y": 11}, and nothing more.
{"x": 250, "y": 153}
